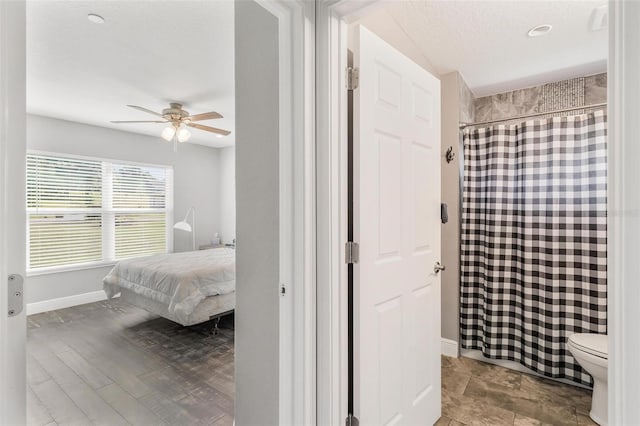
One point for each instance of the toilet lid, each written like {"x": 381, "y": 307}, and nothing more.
{"x": 594, "y": 344}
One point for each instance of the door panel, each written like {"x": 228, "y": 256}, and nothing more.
{"x": 390, "y": 179}
{"x": 396, "y": 221}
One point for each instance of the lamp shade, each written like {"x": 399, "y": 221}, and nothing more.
{"x": 183, "y": 135}
{"x": 183, "y": 226}
{"x": 168, "y": 133}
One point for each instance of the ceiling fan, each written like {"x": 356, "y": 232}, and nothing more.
{"x": 178, "y": 119}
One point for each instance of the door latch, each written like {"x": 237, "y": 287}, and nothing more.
{"x": 16, "y": 294}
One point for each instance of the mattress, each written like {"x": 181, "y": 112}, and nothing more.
{"x": 209, "y": 307}
{"x": 177, "y": 281}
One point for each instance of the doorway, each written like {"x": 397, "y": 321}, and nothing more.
{"x": 333, "y": 31}
{"x": 285, "y": 18}
{"x": 395, "y": 189}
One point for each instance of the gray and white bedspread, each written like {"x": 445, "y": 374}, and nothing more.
{"x": 178, "y": 280}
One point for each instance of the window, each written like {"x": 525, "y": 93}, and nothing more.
{"x": 85, "y": 212}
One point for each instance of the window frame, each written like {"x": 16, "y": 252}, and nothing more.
{"x": 108, "y": 235}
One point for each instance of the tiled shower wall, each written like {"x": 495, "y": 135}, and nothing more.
{"x": 576, "y": 92}
{"x": 467, "y": 101}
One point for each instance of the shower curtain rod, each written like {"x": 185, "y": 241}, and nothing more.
{"x": 519, "y": 117}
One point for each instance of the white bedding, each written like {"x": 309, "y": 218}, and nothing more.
{"x": 178, "y": 280}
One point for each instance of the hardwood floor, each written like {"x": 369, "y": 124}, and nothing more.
{"x": 110, "y": 363}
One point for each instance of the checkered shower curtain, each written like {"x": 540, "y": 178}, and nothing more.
{"x": 534, "y": 240}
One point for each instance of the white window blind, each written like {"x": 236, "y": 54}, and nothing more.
{"x": 87, "y": 211}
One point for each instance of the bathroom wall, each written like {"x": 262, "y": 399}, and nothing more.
{"x": 457, "y": 106}
{"x": 575, "y": 92}
{"x": 467, "y": 101}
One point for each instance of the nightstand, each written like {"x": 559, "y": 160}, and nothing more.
{"x": 210, "y": 246}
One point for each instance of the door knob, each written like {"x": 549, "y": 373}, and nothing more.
{"x": 438, "y": 267}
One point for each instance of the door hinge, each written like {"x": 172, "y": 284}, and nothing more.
{"x": 353, "y": 78}
{"x": 352, "y": 420}
{"x": 16, "y": 294}
{"x": 283, "y": 290}
{"x": 351, "y": 252}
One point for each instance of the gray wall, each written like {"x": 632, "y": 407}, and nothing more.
{"x": 196, "y": 183}
{"x": 257, "y": 258}
{"x": 228, "y": 194}
{"x": 457, "y": 106}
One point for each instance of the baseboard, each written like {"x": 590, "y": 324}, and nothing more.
{"x": 449, "y": 348}
{"x": 65, "y": 302}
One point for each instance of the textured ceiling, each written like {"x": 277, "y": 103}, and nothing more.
{"x": 147, "y": 53}
{"x": 486, "y": 41}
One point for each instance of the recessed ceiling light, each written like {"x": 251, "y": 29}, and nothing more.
{"x": 219, "y": 136}
{"x": 96, "y": 19}
{"x": 539, "y": 30}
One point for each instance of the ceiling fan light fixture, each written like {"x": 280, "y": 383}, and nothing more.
{"x": 183, "y": 135}
{"x": 177, "y": 120}
{"x": 168, "y": 133}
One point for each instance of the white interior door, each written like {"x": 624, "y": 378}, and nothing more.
{"x": 397, "y": 224}
{"x": 12, "y": 208}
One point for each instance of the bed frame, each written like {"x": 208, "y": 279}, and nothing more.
{"x": 211, "y": 308}
{"x": 217, "y": 317}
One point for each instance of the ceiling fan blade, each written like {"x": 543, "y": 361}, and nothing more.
{"x": 209, "y": 129}
{"x": 127, "y": 121}
{"x": 204, "y": 116}
{"x": 145, "y": 110}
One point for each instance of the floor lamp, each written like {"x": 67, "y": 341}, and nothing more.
{"x": 183, "y": 225}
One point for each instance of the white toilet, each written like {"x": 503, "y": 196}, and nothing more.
{"x": 591, "y": 352}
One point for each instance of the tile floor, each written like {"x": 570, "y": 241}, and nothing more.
{"x": 480, "y": 394}
{"x": 114, "y": 364}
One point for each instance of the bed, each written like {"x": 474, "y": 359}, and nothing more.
{"x": 187, "y": 288}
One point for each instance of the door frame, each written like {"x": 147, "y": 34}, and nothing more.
{"x": 623, "y": 212}
{"x": 332, "y": 18}
{"x": 297, "y": 367}
{"x": 296, "y": 202}
{"x": 12, "y": 128}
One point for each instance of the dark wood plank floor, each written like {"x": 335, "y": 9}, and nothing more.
{"x": 110, "y": 363}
